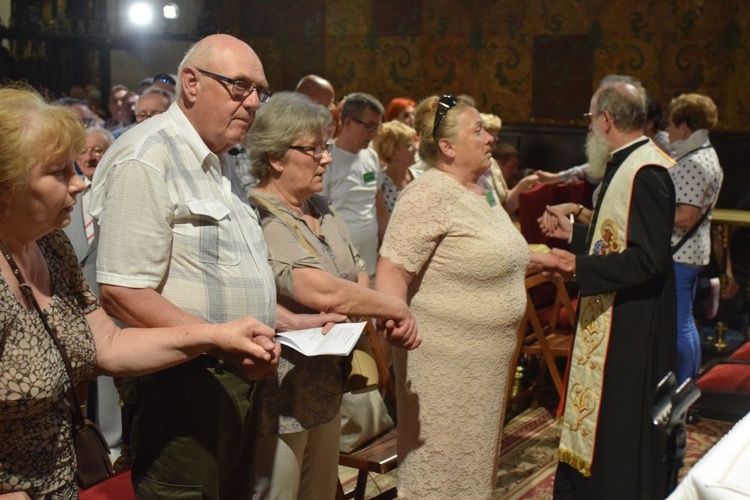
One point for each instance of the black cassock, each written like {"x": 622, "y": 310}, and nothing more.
{"x": 629, "y": 450}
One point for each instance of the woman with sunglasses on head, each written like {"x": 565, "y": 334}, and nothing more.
{"x": 453, "y": 254}
{"x": 316, "y": 268}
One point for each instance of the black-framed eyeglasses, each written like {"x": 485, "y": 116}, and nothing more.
{"x": 164, "y": 78}
{"x": 145, "y": 115}
{"x": 317, "y": 150}
{"x": 240, "y": 89}
{"x": 445, "y": 103}
{"x": 370, "y": 126}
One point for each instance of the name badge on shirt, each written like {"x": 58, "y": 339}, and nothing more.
{"x": 490, "y": 197}
{"x": 368, "y": 177}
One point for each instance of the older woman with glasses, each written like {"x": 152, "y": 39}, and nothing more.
{"x": 317, "y": 268}
{"x": 453, "y": 254}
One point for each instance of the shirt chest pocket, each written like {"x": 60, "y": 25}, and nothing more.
{"x": 204, "y": 229}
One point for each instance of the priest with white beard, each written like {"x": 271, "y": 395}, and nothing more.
{"x": 626, "y": 333}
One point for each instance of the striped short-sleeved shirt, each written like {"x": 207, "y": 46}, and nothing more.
{"x": 168, "y": 221}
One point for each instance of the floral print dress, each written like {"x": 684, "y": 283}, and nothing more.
{"x": 36, "y": 449}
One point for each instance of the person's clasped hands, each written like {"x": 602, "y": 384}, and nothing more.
{"x": 554, "y": 223}
{"x": 402, "y": 333}
{"x": 557, "y": 263}
{"x": 249, "y": 347}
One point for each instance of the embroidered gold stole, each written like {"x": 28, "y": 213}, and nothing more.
{"x": 589, "y": 358}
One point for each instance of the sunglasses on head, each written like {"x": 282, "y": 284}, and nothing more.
{"x": 164, "y": 78}
{"x": 446, "y": 102}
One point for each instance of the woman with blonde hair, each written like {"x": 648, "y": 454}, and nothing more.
{"x": 452, "y": 253}
{"x": 395, "y": 145}
{"x": 503, "y": 171}
{"x": 43, "y": 295}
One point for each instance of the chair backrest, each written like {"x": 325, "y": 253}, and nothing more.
{"x": 545, "y": 339}
{"x": 385, "y": 381}
{"x": 531, "y": 205}
{"x": 562, "y": 303}
{"x": 534, "y": 323}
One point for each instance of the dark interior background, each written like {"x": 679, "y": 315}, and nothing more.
{"x": 532, "y": 62}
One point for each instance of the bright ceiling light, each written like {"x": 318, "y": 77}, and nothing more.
{"x": 171, "y": 11}
{"x": 140, "y": 13}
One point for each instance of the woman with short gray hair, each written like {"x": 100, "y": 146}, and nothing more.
{"x": 316, "y": 268}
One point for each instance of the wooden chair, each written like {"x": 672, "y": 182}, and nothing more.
{"x": 378, "y": 455}
{"x": 546, "y": 340}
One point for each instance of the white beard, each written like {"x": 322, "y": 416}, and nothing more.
{"x": 598, "y": 154}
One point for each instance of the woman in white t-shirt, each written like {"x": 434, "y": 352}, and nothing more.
{"x": 697, "y": 179}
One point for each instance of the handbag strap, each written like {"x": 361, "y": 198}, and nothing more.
{"x": 690, "y": 233}
{"x": 287, "y": 220}
{"x": 28, "y": 294}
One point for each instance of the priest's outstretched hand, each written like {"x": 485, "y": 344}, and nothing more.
{"x": 557, "y": 262}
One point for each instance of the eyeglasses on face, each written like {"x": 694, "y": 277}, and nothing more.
{"x": 591, "y": 116}
{"x": 88, "y": 122}
{"x": 370, "y": 126}
{"x": 95, "y": 152}
{"x": 240, "y": 89}
{"x": 144, "y": 115}
{"x": 317, "y": 150}
{"x": 445, "y": 103}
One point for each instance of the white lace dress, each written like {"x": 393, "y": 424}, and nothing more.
{"x": 468, "y": 297}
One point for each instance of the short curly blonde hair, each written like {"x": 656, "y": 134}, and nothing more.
{"x": 695, "y": 110}
{"x": 34, "y": 131}
{"x": 492, "y": 123}
{"x": 392, "y": 135}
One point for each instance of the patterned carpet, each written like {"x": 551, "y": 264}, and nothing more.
{"x": 528, "y": 456}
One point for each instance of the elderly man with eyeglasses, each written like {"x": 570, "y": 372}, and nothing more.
{"x": 351, "y": 180}
{"x": 177, "y": 246}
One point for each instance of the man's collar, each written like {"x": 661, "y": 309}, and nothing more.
{"x": 619, "y": 154}
{"x": 186, "y": 129}
{"x": 641, "y": 138}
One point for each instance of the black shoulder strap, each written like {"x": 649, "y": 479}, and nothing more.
{"x": 690, "y": 233}
{"x": 28, "y": 294}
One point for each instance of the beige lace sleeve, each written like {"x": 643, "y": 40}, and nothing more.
{"x": 419, "y": 221}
